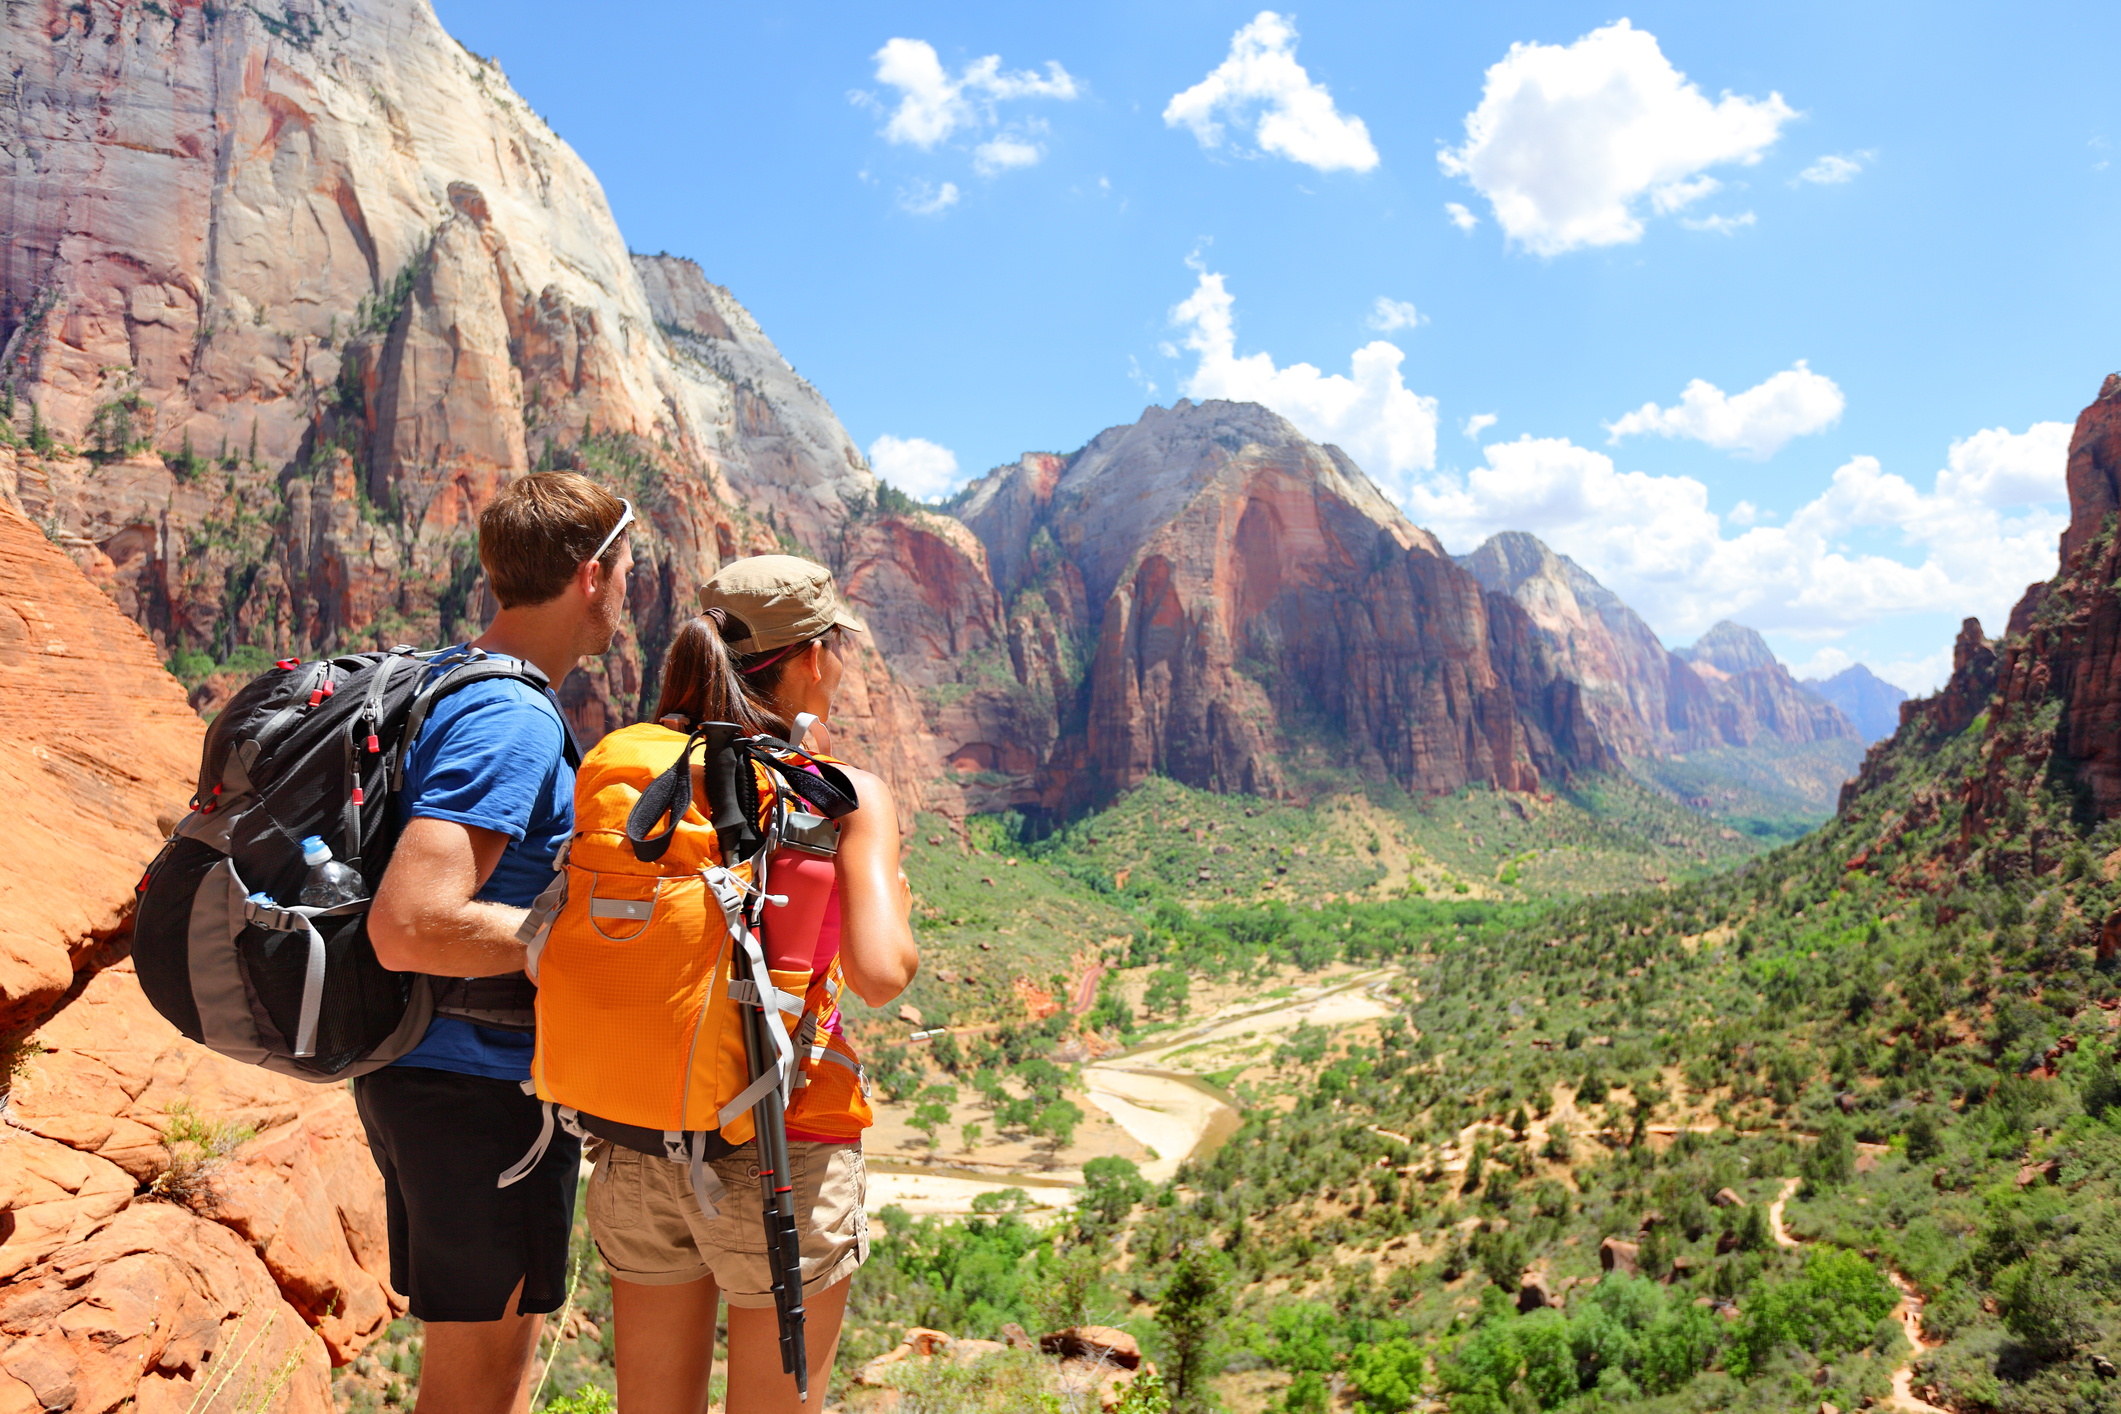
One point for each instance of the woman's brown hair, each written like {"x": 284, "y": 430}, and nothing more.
{"x": 704, "y": 682}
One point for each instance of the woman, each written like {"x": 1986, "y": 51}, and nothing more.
{"x": 766, "y": 649}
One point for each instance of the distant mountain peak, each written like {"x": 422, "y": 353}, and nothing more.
{"x": 1866, "y": 699}
{"x": 1730, "y": 648}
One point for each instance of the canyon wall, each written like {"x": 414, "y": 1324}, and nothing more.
{"x": 1726, "y": 690}
{"x": 287, "y": 296}
{"x": 1205, "y": 594}
{"x": 2044, "y": 701}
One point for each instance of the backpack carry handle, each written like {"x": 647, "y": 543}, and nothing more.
{"x": 667, "y": 796}
{"x": 732, "y": 791}
{"x": 730, "y": 806}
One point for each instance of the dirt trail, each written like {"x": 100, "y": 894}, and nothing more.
{"x": 1908, "y": 1312}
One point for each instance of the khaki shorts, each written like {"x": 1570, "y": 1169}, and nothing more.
{"x": 648, "y": 1227}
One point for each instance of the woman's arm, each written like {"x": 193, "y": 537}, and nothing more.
{"x": 877, "y": 952}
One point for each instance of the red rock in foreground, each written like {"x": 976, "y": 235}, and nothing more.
{"x": 102, "y": 752}
{"x": 277, "y": 1266}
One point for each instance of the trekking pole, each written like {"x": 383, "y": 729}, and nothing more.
{"x": 784, "y": 1253}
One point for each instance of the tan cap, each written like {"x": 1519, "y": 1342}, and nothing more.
{"x": 782, "y": 599}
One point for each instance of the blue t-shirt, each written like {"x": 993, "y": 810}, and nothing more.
{"x": 492, "y": 755}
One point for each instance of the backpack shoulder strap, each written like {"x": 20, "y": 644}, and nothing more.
{"x": 461, "y": 676}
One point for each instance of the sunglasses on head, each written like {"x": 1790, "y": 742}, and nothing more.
{"x": 625, "y": 520}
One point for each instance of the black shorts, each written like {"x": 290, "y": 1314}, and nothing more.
{"x": 459, "y": 1243}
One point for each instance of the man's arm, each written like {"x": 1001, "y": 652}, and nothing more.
{"x": 424, "y": 918}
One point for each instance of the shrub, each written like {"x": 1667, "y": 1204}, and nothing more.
{"x": 1386, "y": 1375}
{"x": 1833, "y": 1307}
{"x": 2043, "y": 1307}
{"x": 198, "y": 1147}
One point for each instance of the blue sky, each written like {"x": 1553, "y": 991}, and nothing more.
{"x": 1879, "y": 236}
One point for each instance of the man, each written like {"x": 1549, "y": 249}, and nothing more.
{"x": 488, "y": 797}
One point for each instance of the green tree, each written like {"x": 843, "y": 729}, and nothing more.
{"x": 1057, "y": 1122}
{"x": 1196, "y": 1300}
{"x": 969, "y": 1135}
{"x": 1925, "y": 1135}
{"x": 2044, "y": 1307}
{"x": 931, "y": 1110}
{"x": 1167, "y": 994}
{"x": 1386, "y": 1374}
{"x": 1111, "y": 1187}
{"x": 1832, "y": 1308}
{"x": 1832, "y": 1161}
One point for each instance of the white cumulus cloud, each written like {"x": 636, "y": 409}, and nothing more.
{"x": 1478, "y": 423}
{"x": 1970, "y": 544}
{"x": 1006, "y": 151}
{"x": 1569, "y": 140}
{"x": 1369, "y": 412}
{"x": 925, "y": 198}
{"x": 1754, "y": 424}
{"x": 922, "y": 469}
{"x": 1719, "y": 225}
{"x": 1463, "y": 219}
{"x": 1261, "y": 86}
{"x": 1388, "y": 315}
{"x": 934, "y": 103}
{"x": 1835, "y": 168}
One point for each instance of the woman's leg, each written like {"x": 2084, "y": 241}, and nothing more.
{"x": 756, "y": 1384}
{"x": 663, "y": 1340}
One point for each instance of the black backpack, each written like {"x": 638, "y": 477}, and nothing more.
{"x": 305, "y": 749}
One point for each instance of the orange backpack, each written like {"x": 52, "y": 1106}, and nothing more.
{"x": 647, "y": 951}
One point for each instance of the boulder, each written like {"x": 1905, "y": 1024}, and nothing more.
{"x": 1101, "y": 1343}
{"x": 922, "y": 1343}
{"x": 1535, "y": 1291}
{"x": 162, "y": 1310}
{"x": 2048, "y": 1171}
{"x": 1617, "y": 1256}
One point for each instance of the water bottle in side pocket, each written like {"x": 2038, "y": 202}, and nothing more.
{"x": 330, "y": 882}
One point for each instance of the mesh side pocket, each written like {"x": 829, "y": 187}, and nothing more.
{"x": 363, "y": 1001}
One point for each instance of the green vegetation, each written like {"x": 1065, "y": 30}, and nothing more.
{"x": 198, "y": 1148}
{"x": 1924, "y": 1074}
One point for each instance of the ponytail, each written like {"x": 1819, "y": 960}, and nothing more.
{"x": 701, "y": 681}
{"x": 704, "y": 682}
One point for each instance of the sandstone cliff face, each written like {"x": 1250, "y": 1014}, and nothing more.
{"x": 1214, "y": 598}
{"x": 103, "y": 753}
{"x": 296, "y": 293}
{"x": 2055, "y": 718}
{"x": 2046, "y": 701}
{"x": 278, "y": 1263}
{"x": 1754, "y": 697}
{"x": 1727, "y": 690}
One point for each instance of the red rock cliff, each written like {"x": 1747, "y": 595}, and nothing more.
{"x": 1214, "y": 598}
{"x": 2047, "y": 700}
{"x": 278, "y": 1262}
